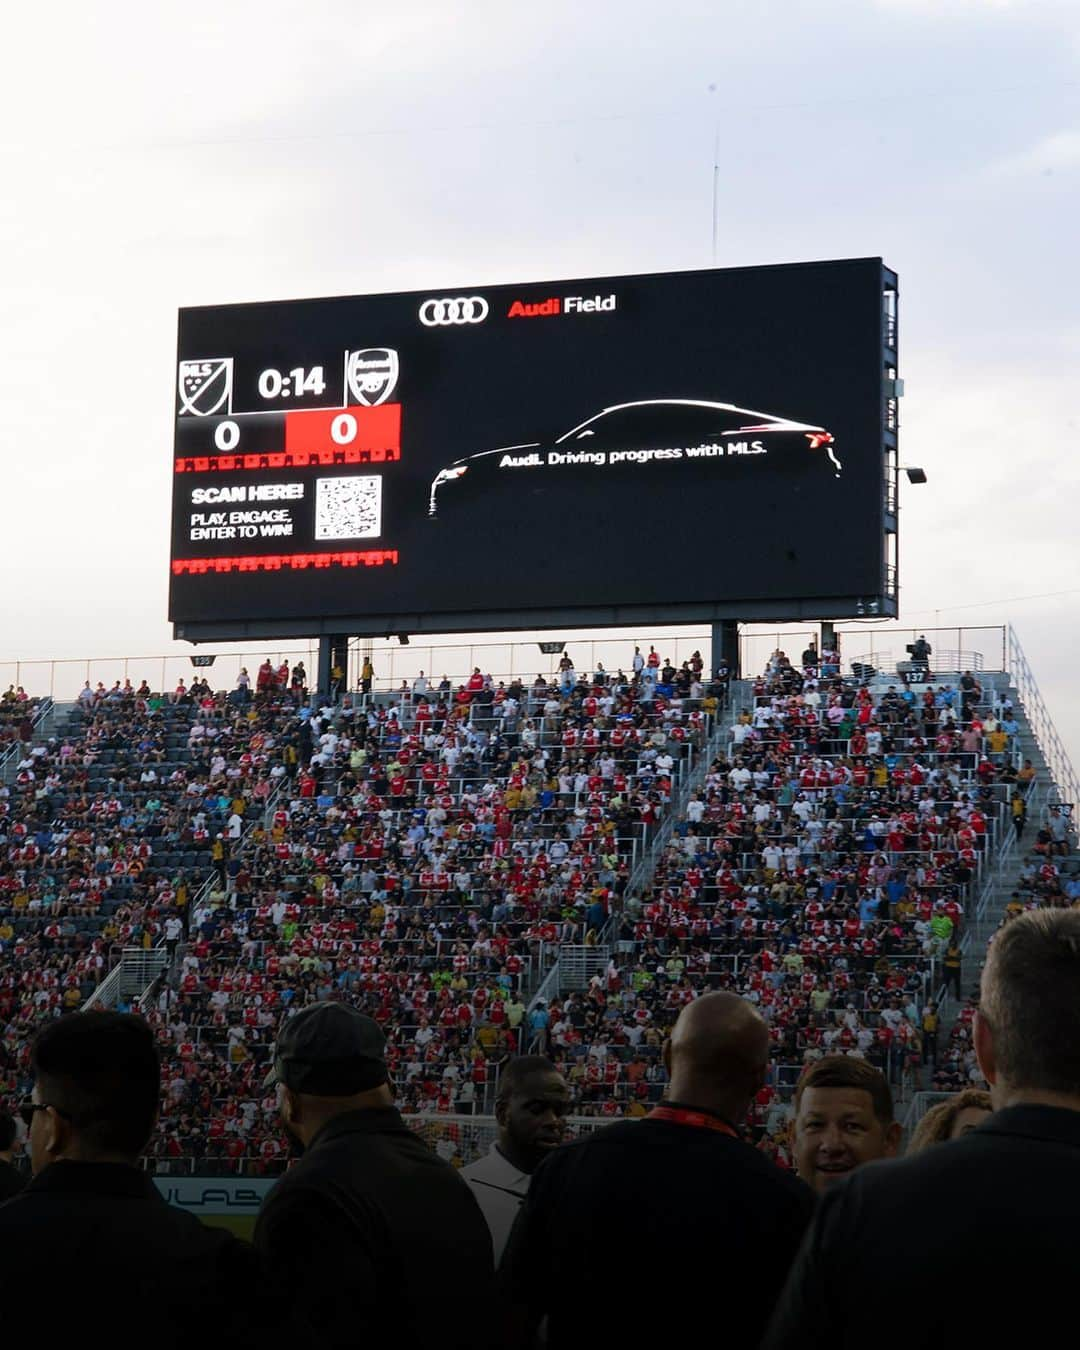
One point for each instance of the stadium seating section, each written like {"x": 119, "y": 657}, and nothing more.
{"x": 428, "y": 855}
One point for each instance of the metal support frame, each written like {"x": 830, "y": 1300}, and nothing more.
{"x": 782, "y": 610}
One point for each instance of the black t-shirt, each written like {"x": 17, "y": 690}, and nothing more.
{"x": 11, "y": 1181}
{"x": 1010, "y": 1189}
{"x": 719, "y": 1215}
{"x": 373, "y": 1238}
{"x": 80, "y": 1228}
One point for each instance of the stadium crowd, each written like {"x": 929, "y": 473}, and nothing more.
{"x": 106, "y": 831}
{"x": 822, "y": 871}
{"x": 430, "y": 854}
{"x": 427, "y": 854}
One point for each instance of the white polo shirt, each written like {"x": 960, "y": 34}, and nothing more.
{"x": 500, "y": 1190}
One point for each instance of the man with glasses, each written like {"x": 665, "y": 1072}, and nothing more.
{"x": 11, "y": 1179}
{"x": 91, "y": 1221}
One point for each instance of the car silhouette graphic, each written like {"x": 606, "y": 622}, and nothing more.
{"x": 624, "y": 439}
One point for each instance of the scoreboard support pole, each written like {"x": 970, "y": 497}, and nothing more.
{"x": 333, "y": 651}
{"x": 326, "y": 662}
{"x": 725, "y": 646}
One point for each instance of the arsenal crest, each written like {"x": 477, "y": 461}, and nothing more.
{"x": 205, "y": 387}
{"x": 371, "y": 375}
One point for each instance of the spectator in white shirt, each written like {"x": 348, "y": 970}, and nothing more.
{"x": 530, "y": 1109}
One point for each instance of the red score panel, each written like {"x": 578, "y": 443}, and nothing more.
{"x": 365, "y": 435}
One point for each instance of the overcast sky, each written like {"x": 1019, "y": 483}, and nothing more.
{"x": 162, "y": 155}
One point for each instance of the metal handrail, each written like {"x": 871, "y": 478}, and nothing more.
{"x": 973, "y": 936}
{"x": 1058, "y": 761}
{"x": 547, "y": 989}
{"x": 202, "y": 894}
{"x": 943, "y": 662}
{"x": 920, "y": 1104}
{"x": 107, "y": 992}
{"x": 503, "y": 660}
{"x": 693, "y": 776}
{"x": 207, "y": 886}
{"x": 43, "y": 709}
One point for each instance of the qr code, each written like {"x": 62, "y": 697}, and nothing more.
{"x": 348, "y": 508}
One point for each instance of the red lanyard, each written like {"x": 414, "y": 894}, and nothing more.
{"x": 681, "y": 1115}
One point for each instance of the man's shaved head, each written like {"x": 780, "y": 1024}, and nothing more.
{"x": 718, "y": 1053}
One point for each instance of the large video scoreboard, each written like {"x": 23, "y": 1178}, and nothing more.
{"x": 678, "y": 446}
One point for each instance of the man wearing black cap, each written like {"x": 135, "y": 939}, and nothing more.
{"x": 370, "y": 1234}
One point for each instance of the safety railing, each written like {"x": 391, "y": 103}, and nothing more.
{"x": 695, "y": 768}
{"x": 199, "y": 899}
{"x": 548, "y": 988}
{"x": 10, "y": 755}
{"x": 1059, "y": 763}
{"x": 990, "y": 884}
{"x": 137, "y": 968}
{"x": 877, "y": 646}
{"x": 395, "y": 663}
{"x": 578, "y": 964}
{"x": 946, "y": 661}
{"x": 107, "y": 993}
{"x": 920, "y": 1104}
{"x": 458, "y": 1137}
{"x": 63, "y": 678}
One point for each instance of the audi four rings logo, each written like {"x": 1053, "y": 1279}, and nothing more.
{"x": 459, "y": 309}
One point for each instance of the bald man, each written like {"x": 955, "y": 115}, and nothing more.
{"x": 677, "y": 1192}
